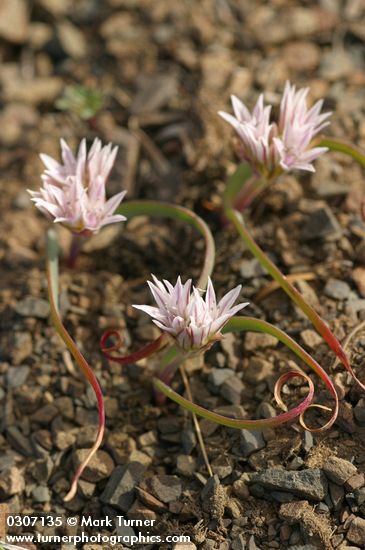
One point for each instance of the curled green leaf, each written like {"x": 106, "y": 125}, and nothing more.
{"x": 238, "y": 324}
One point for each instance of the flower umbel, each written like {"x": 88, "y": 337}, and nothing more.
{"x": 73, "y": 193}
{"x": 194, "y": 323}
{"x": 271, "y": 148}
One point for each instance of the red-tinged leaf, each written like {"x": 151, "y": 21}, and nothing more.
{"x": 144, "y": 352}
{"x": 238, "y": 324}
{"x": 318, "y": 323}
{"x": 52, "y": 276}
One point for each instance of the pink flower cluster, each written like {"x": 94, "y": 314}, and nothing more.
{"x": 73, "y": 192}
{"x": 193, "y": 322}
{"x": 269, "y": 147}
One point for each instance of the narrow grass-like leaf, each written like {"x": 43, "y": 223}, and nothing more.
{"x": 238, "y": 324}
{"x": 142, "y": 353}
{"x": 158, "y": 209}
{"x": 343, "y": 146}
{"x": 318, "y": 323}
{"x": 52, "y": 274}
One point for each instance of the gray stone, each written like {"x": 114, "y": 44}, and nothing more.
{"x": 323, "y": 508}
{"x": 265, "y": 410}
{"x": 87, "y": 489}
{"x": 258, "y": 370}
{"x": 63, "y": 439}
{"x": 257, "y": 490}
{"x": 337, "y": 289}
{"x": 41, "y": 494}
{"x": 239, "y": 543}
{"x": 251, "y": 268}
{"x": 311, "y": 483}
{"x": 154, "y": 92}
{"x": 337, "y": 494}
{"x": 33, "y": 307}
{"x": 282, "y": 497}
{"x": 124, "y": 530}
{"x": 356, "y": 532}
{"x": 209, "y": 487}
{"x": 22, "y": 347}
{"x": 186, "y": 465}
{"x": 22, "y": 201}
{"x": 252, "y": 544}
{"x": 14, "y": 21}
{"x": 216, "y": 377}
{"x": 228, "y": 345}
{"x": 360, "y": 496}
{"x": 256, "y": 340}
{"x": 42, "y": 469}
{"x": 142, "y": 458}
{"x": 18, "y": 441}
{"x": 99, "y": 467}
{"x": 296, "y": 463}
{"x": 148, "y": 438}
{"x": 16, "y": 376}
{"x": 72, "y": 39}
{"x": 119, "y": 491}
{"x": 355, "y": 482}
{"x": 359, "y": 411}
{"x": 338, "y": 470}
{"x": 231, "y": 390}
{"x": 222, "y": 466}
{"x": 311, "y": 338}
{"x": 11, "y": 482}
{"x": 240, "y": 489}
{"x": 307, "y": 441}
{"x": 251, "y": 441}
{"x": 188, "y": 439}
{"x": 32, "y": 91}
{"x": 354, "y": 306}
{"x": 56, "y": 7}
{"x": 336, "y": 64}
{"x": 166, "y": 488}
{"x": 321, "y": 223}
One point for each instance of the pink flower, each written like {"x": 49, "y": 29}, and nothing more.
{"x": 286, "y": 145}
{"x": 73, "y": 193}
{"x": 297, "y": 128}
{"x": 255, "y": 132}
{"x": 193, "y": 322}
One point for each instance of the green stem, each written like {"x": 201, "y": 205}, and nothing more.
{"x": 249, "y": 192}
{"x": 236, "y": 182}
{"x": 238, "y": 324}
{"x": 75, "y": 249}
{"x": 326, "y": 333}
{"x": 343, "y": 146}
{"x": 238, "y": 222}
{"x": 165, "y": 210}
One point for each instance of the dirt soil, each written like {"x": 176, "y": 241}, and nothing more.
{"x": 164, "y": 70}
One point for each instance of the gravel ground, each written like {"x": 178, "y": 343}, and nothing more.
{"x": 164, "y": 69}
